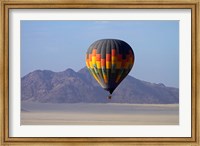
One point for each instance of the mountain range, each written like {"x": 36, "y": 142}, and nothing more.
{"x": 80, "y": 87}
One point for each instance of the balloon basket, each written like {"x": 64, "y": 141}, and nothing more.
{"x": 110, "y": 97}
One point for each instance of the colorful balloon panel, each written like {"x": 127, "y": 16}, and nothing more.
{"x": 109, "y": 61}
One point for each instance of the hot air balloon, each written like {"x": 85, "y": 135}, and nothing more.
{"x": 109, "y": 61}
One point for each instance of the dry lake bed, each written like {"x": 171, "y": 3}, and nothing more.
{"x": 99, "y": 114}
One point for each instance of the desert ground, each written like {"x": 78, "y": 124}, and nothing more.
{"x": 99, "y": 114}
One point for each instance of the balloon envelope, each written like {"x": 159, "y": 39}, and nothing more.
{"x": 109, "y": 61}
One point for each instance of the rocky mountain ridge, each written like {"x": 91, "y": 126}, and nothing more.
{"x": 80, "y": 87}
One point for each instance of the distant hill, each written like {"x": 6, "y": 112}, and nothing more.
{"x": 74, "y": 87}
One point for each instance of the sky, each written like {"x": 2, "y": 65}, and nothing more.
{"x": 58, "y": 45}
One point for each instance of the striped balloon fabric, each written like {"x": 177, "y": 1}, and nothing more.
{"x": 109, "y": 61}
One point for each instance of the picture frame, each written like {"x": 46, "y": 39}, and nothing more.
{"x": 111, "y": 4}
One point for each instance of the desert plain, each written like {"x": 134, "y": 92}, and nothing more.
{"x": 99, "y": 114}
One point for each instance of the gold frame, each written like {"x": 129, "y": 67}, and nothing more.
{"x": 127, "y": 4}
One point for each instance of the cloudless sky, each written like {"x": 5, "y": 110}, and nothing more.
{"x": 58, "y": 45}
